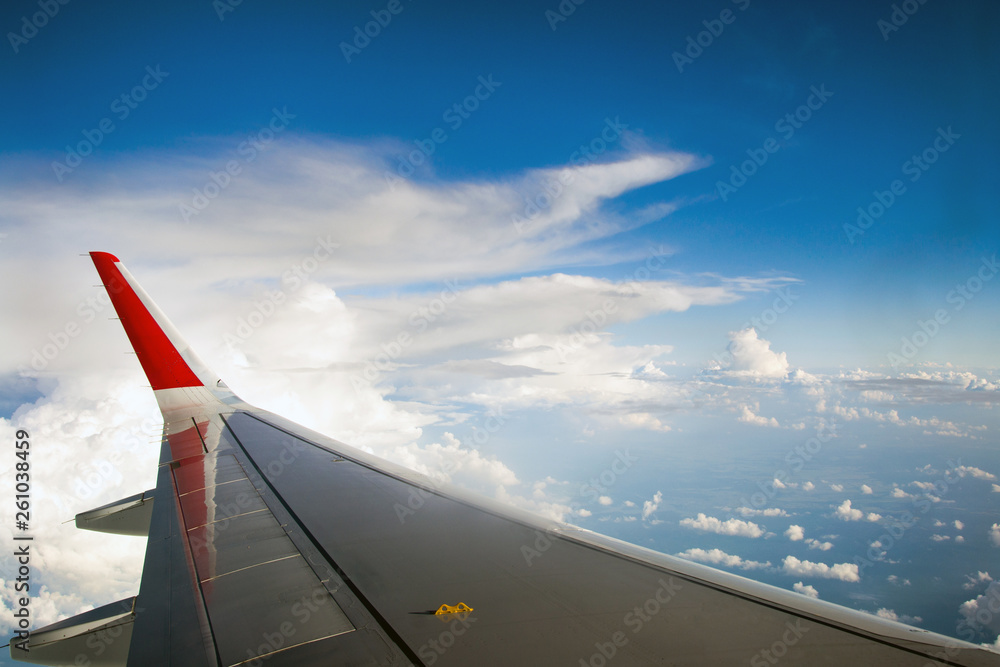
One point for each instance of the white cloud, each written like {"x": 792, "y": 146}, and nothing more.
{"x": 891, "y": 615}
{"x": 454, "y": 462}
{"x": 604, "y": 500}
{"x": 972, "y": 471}
{"x": 328, "y": 186}
{"x": 795, "y": 533}
{"x": 996, "y": 488}
{"x": 977, "y": 579}
{"x": 985, "y": 603}
{"x": 842, "y": 571}
{"x": 995, "y": 534}
{"x": 651, "y": 506}
{"x": 643, "y": 420}
{"x": 837, "y": 487}
{"x": 931, "y": 426}
{"x": 710, "y": 524}
{"x": 769, "y": 511}
{"x": 821, "y": 546}
{"x": 97, "y": 439}
{"x": 719, "y": 557}
{"x": 808, "y": 591}
{"x": 865, "y": 489}
{"x": 876, "y": 396}
{"x": 748, "y": 417}
{"x": 808, "y": 486}
{"x": 550, "y": 509}
{"x": 845, "y": 512}
{"x": 958, "y": 524}
{"x": 940, "y": 538}
{"x": 751, "y": 356}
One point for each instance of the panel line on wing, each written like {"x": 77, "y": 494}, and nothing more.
{"x": 371, "y": 610}
{"x": 250, "y": 567}
{"x": 243, "y": 558}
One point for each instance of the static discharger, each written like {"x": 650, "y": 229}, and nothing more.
{"x": 448, "y": 609}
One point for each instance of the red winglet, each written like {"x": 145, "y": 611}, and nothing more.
{"x": 160, "y": 359}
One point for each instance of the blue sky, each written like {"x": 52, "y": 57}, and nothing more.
{"x": 248, "y": 178}
{"x": 890, "y": 95}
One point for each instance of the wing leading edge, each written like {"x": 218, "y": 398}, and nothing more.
{"x": 270, "y": 543}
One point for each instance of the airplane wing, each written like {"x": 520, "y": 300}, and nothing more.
{"x": 270, "y": 544}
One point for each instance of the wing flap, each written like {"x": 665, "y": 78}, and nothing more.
{"x": 99, "y": 637}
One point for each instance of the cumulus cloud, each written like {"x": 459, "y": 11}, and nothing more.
{"x": 980, "y": 611}
{"x": 748, "y": 417}
{"x": 752, "y": 357}
{"x": 891, "y": 615}
{"x": 454, "y": 462}
{"x": 710, "y": 524}
{"x": 769, "y": 511}
{"x": 795, "y": 533}
{"x": 604, "y": 500}
{"x": 643, "y": 420}
{"x": 842, "y": 571}
{"x": 808, "y": 591}
{"x": 973, "y": 581}
{"x": 972, "y": 471}
{"x": 816, "y": 544}
{"x": 865, "y": 489}
{"x": 847, "y": 513}
{"x": 876, "y": 396}
{"x": 96, "y": 438}
{"x": 994, "y": 534}
{"x": 650, "y": 506}
{"x": 719, "y": 557}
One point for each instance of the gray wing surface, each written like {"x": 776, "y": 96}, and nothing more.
{"x": 543, "y": 593}
{"x": 270, "y": 544}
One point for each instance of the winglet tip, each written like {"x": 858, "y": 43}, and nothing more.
{"x": 106, "y": 256}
